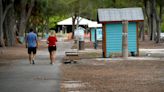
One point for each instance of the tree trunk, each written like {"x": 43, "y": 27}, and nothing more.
{"x": 159, "y": 18}
{"x": 1, "y": 25}
{"x": 76, "y": 10}
{"x": 158, "y": 30}
{"x": 114, "y": 3}
{"x": 154, "y": 27}
{"x": 73, "y": 24}
{"x": 22, "y": 24}
{"x": 3, "y": 13}
{"x": 46, "y": 25}
{"x": 147, "y": 5}
{"x": 153, "y": 21}
{"x": 142, "y": 32}
{"x": 24, "y": 16}
{"x": 78, "y": 21}
{"x": 9, "y": 24}
{"x": 149, "y": 20}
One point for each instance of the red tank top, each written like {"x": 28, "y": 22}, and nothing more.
{"x": 52, "y": 40}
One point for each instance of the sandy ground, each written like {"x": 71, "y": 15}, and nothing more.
{"x": 116, "y": 76}
{"x": 12, "y": 53}
{"x": 19, "y": 51}
{"x": 90, "y": 75}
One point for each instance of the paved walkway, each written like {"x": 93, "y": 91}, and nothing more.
{"x": 41, "y": 77}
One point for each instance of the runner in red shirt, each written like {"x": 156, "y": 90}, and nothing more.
{"x": 52, "y": 39}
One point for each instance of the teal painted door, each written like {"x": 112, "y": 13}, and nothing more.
{"x": 114, "y": 38}
{"x": 132, "y": 37}
{"x": 93, "y": 34}
{"x": 99, "y": 34}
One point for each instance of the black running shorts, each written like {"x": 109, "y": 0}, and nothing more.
{"x": 31, "y": 50}
{"x": 51, "y": 48}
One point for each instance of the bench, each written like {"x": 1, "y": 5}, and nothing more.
{"x": 71, "y": 56}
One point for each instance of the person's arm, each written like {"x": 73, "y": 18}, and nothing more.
{"x": 48, "y": 40}
{"x": 36, "y": 42}
{"x": 26, "y": 43}
{"x": 56, "y": 38}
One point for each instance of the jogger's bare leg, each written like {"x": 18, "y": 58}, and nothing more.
{"x": 52, "y": 57}
{"x": 33, "y": 57}
{"x": 30, "y": 58}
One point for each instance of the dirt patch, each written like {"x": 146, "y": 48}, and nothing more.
{"x": 19, "y": 51}
{"x": 120, "y": 76}
{"x": 150, "y": 45}
{"x": 114, "y": 76}
{"x": 13, "y": 53}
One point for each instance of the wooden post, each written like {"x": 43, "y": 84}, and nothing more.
{"x": 78, "y": 47}
{"x": 125, "y": 39}
{"x": 95, "y": 43}
{"x": 104, "y": 52}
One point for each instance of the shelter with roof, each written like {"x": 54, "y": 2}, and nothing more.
{"x": 111, "y": 19}
{"x": 68, "y": 23}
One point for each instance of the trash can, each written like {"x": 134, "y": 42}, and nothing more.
{"x": 81, "y": 45}
{"x": 95, "y": 45}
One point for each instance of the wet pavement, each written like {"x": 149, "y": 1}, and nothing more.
{"x": 21, "y": 76}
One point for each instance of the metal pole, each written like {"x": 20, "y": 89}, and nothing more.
{"x": 125, "y": 39}
{"x": 95, "y": 44}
